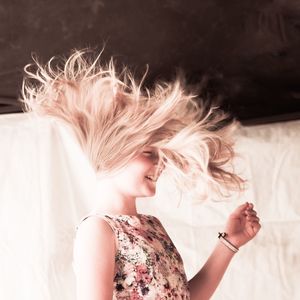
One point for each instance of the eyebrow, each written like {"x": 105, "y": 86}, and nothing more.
{"x": 149, "y": 148}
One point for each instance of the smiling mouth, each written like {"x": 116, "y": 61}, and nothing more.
{"x": 151, "y": 178}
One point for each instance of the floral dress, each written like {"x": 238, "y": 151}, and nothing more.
{"x": 148, "y": 266}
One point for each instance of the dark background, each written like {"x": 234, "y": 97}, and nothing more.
{"x": 245, "y": 53}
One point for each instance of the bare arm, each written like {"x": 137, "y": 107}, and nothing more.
{"x": 242, "y": 226}
{"x": 205, "y": 282}
{"x": 94, "y": 258}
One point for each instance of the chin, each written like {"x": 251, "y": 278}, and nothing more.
{"x": 152, "y": 194}
{"x": 149, "y": 193}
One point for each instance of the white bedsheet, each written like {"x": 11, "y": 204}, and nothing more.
{"x": 46, "y": 186}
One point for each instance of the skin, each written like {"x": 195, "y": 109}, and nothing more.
{"x": 118, "y": 192}
{"x": 242, "y": 226}
{"x": 94, "y": 248}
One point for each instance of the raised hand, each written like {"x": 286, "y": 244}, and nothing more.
{"x": 242, "y": 225}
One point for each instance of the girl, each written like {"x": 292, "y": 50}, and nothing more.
{"x": 132, "y": 137}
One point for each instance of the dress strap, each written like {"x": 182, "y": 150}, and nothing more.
{"x": 90, "y": 215}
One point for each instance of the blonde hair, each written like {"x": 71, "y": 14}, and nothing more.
{"x": 113, "y": 118}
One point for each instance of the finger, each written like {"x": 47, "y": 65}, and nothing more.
{"x": 252, "y": 219}
{"x": 250, "y": 208}
{"x": 252, "y": 222}
{"x": 240, "y": 209}
{"x": 256, "y": 227}
{"x": 250, "y": 205}
{"x": 250, "y": 212}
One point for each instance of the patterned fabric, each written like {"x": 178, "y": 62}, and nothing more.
{"x": 148, "y": 266}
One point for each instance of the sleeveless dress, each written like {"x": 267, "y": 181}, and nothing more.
{"x": 148, "y": 266}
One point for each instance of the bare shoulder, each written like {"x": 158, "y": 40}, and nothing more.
{"x": 94, "y": 234}
{"x": 94, "y": 225}
{"x": 94, "y": 258}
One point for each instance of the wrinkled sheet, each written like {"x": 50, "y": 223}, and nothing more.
{"x": 47, "y": 185}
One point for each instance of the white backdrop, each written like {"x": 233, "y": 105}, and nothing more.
{"x": 46, "y": 187}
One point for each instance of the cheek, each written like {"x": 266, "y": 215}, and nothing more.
{"x": 135, "y": 173}
{"x": 141, "y": 167}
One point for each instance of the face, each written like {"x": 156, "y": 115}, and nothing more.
{"x": 138, "y": 178}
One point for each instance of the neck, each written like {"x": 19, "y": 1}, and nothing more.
{"x": 111, "y": 201}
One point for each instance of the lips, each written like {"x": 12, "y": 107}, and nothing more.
{"x": 151, "y": 178}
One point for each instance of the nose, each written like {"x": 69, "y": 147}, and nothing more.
{"x": 159, "y": 168}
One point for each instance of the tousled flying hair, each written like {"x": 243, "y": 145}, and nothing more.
{"x": 114, "y": 118}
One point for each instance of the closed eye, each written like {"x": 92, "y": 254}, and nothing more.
{"x": 148, "y": 152}
{"x": 152, "y": 154}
